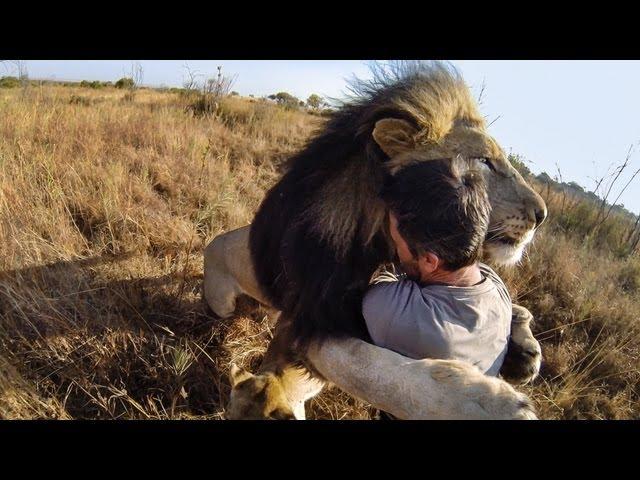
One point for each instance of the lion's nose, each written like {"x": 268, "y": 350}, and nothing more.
{"x": 541, "y": 214}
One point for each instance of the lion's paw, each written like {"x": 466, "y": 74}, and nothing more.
{"x": 472, "y": 395}
{"x": 524, "y": 356}
{"x": 522, "y": 361}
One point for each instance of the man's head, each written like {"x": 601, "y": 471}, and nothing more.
{"x": 438, "y": 224}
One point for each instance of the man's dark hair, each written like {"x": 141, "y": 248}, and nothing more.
{"x": 442, "y": 207}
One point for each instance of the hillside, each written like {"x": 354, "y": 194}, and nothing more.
{"x": 107, "y": 200}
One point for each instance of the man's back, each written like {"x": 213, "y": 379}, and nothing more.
{"x": 440, "y": 321}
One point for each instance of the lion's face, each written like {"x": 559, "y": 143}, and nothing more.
{"x": 257, "y": 397}
{"x": 517, "y": 210}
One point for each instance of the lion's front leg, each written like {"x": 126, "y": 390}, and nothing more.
{"x": 524, "y": 355}
{"x": 229, "y": 272}
{"x": 279, "y": 389}
{"x": 417, "y": 389}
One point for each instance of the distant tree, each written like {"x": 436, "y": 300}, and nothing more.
{"x": 575, "y": 186}
{"x": 206, "y": 96}
{"x": 132, "y": 82}
{"x": 518, "y": 162}
{"x": 20, "y": 67}
{"x": 190, "y": 83}
{"x": 592, "y": 196}
{"x": 95, "y": 84}
{"x": 125, "y": 82}
{"x": 286, "y": 100}
{"x": 137, "y": 75}
{"x": 544, "y": 177}
{"x": 234, "y": 94}
{"x": 314, "y": 101}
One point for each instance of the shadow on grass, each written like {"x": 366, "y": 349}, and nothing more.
{"x": 124, "y": 348}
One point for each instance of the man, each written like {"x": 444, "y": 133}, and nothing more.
{"x": 447, "y": 305}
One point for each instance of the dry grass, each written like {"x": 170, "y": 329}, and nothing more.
{"x": 106, "y": 204}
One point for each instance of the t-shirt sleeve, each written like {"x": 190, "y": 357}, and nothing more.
{"x": 382, "y": 306}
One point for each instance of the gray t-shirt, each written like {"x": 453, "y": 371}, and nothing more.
{"x": 472, "y": 324}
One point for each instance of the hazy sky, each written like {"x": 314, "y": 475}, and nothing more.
{"x": 580, "y": 115}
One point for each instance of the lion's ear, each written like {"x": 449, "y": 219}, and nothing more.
{"x": 238, "y": 374}
{"x": 394, "y": 136}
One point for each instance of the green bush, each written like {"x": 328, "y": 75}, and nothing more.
{"x": 94, "y": 84}
{"x": 9, "y": 82}
{"x": 125, "y": 82}
{"x": 286, "y": 100}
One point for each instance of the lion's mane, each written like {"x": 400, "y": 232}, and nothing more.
{"x": 320, "y": 232}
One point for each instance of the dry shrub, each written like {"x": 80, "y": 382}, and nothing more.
{"x": 104, "y": 210}
{"x": 629, "y": 276}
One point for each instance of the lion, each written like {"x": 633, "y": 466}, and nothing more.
{"x": 409, "y": 389}
{"x": 425, "y": 389}
{"x": 403, "y": 387}
{"x": 321, "y": 231}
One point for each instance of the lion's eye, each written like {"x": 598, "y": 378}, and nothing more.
{"x": 486, "y": 161}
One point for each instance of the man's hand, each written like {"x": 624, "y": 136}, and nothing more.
{"x": 522, "y": 361}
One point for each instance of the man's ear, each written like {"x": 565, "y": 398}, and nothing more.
{"x": 429, "y": 262}
{"x": 238, "y": 374}
{"x": 394, "y": 136}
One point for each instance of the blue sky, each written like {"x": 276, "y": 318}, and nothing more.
{"x": 581, "y": 115}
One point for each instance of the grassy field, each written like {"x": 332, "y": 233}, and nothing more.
{"x": 106, "y": 202}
